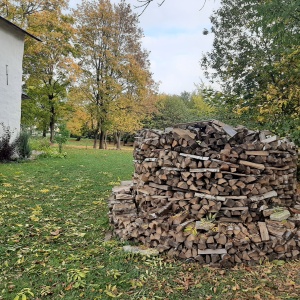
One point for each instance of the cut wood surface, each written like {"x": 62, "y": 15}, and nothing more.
{"x": 263, "y": 231}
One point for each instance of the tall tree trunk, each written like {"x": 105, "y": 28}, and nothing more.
{"x": 102, "y": 140}
{"x": 52, "y": 125}
{"x": 97, "y": 130}
{"x": 118, "y": 136}
{"x": 105, "y": 141}
{"x": 95, "y": 140}
{"x": 52, "y": 118}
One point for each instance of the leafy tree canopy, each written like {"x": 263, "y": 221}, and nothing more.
{"x": 255, "y": 58}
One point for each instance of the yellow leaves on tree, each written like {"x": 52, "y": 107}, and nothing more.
{"x": 282, "y": 96}
{"x": 114, "y": 66}
{"x": 50, "y": 63}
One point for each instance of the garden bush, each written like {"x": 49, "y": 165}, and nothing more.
{"x": 24, "y": 149}
{"x": 43, "y": 145}
{"x": 7, "y": 147}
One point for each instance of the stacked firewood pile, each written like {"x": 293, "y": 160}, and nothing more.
{"x": 213, "y": 193}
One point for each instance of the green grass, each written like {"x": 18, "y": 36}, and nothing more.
{"x": 53, "y": 221}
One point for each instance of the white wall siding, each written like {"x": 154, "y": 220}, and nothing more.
{"x": 11, "y": 56}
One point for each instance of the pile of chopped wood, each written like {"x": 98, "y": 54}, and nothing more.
{"x": 213, "y": 193}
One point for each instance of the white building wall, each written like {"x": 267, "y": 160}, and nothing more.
{"x": 11, "y": 57}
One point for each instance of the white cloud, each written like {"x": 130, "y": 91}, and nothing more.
{"x": 173, "y": 35}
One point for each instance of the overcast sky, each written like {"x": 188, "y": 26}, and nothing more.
{"x": 173, "y": 35}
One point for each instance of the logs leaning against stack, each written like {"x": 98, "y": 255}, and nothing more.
{"x": 210, "y": 192}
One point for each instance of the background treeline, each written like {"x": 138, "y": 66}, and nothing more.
{"x": 92, "y": 73}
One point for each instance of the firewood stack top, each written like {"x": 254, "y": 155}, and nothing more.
{"x": 212, "y": 193}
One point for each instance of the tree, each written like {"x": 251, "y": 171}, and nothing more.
{"x": 50, "y": 64}
{"x": 78, "y": 118}
{"x": 127, "y": 116}
{"x": 171, "y": 109}
{"x": 252, "y": 39}
{"x": 113, "y": 64}
{"x": 19, "y": 11}
{"x": 200, "y": 106}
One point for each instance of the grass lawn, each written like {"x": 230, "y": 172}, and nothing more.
{"x": 53, "y": 221}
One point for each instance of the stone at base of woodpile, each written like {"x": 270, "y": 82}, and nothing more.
{"x": 208, "y": 192}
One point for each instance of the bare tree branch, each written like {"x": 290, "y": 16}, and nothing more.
{"x": 203, "y": 5}
{"x": 145, "y": 4}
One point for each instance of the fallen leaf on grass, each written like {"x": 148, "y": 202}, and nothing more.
{"x": 80, "y": 234}
{"x": 69, "y": 287}
{"x": 56, "y": 232}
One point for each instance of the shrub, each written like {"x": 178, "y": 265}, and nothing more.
{"x": 43, "y": 145}
{"x": 24, "y": 149}
{"x": 40, "y": 144}
{"x": 7, "y": 148}
{"x": 62, "y": 136}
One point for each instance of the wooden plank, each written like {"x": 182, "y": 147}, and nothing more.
{"x": 194, "y": 156}
{"x": 159, "y": 197}
{"x": 221, "y": 161}
{"x": 264, "y": 233}
{"x": 251, "y": 164}
{"x": 123, "y": 207}
{"x": 260, "y": 153}
{"x": 160, "y": 186}
{"x": 212, "y": 251}
{"x": 210, "y": 197}
{"x": 150, "y": 159}
{"x": 142, "y": 191}
{"x": 235, "y": 208}
{"x": 238, "y": 174}
{"x": 279, "y": 169}
{"x": 228, "y": 129}
{"x": 126, "y": 183}
{"x": 270, "y": 139}
{"x": 124, "y": 197}
{"x": 173, "y": 169}
{"x": 185, "y": 134}
{"x": 121, "y": 189}
{"x": 264, "y": 196}
{"x": 219, "y": 198}
{"x": 236, "y": 197}
{"x": 203, "y": 170}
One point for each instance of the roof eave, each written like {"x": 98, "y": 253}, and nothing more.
{"x": 20, "y": 29}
